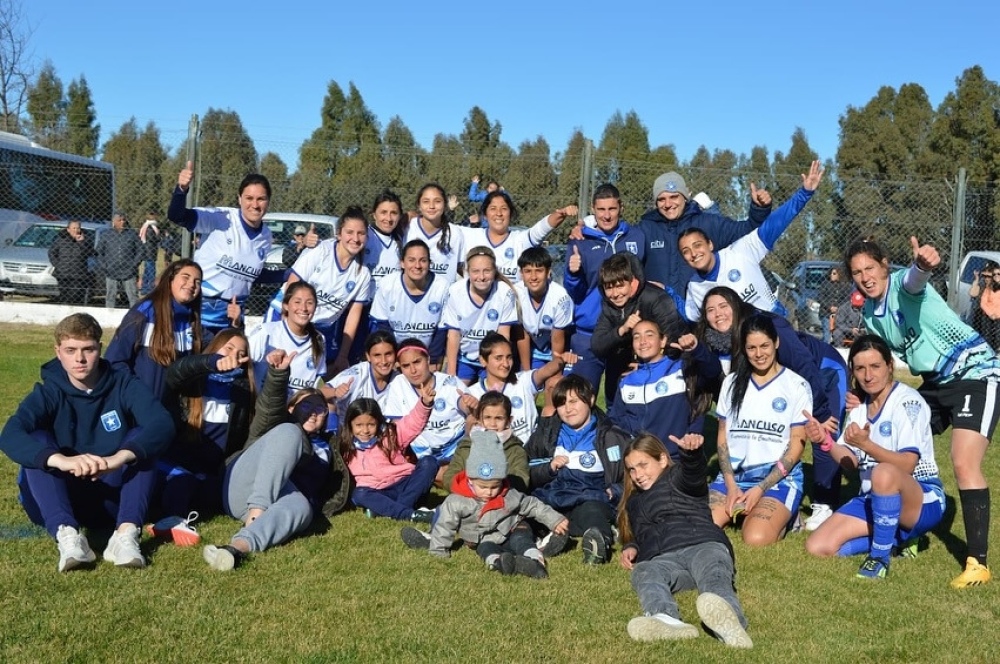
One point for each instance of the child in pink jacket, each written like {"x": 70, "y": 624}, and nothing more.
{"x": 386, "y": 482}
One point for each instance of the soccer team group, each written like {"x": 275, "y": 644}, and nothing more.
{"x": 403, "y": 353}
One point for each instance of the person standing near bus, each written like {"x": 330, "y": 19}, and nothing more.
{"x": 234, "y": 244}
{"x": 118, "y": 253}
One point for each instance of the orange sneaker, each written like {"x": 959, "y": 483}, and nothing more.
{"x": 176, "y": 529}
{"x": 975, "y": 574}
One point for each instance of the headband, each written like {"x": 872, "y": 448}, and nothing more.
{"x": 419, "y": 349}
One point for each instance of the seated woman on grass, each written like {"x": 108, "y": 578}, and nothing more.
{"x": 888, "y": 441}
{"x": 761, "y": 438}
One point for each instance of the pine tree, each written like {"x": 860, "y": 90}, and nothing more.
{"x": 141, "y": 184}
{"x": 47, "y": 109}
{"x": 82, "y": 130}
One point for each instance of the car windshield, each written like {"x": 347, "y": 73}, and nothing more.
{"x": 38, "y": 236}
{"x": 282, "y": 231}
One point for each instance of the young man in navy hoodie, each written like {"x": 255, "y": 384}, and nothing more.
{"x": 86, "y": 439}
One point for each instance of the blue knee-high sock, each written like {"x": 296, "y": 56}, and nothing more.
{"x": 885, "y": 510}
{"x": 854, "y": 547}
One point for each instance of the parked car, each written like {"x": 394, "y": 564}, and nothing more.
{"x": 282, "y": 226}
{"x": 24, "y": 260}
{"x": 972, "y": 262}
{"x": 804, "y": 284}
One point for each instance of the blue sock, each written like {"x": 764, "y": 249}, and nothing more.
{"x": 854, "y": 547}
{"x": 885, "y": 510}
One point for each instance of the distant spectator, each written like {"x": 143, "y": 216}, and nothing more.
{"x": 149, "y": 237}
{"x": 118, "y": 254}
{"x": 291, "y": 252}
{"x": 477, "y": 195}
{"x": 832, "y": 293}
{"x": 847, "y": 323}
{"x": 69, "y": 254}
{"x": 170, "y": 242}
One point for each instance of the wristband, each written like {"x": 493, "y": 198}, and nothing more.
{"x": 781, "y": 468}
{"x": 827, "y": 444}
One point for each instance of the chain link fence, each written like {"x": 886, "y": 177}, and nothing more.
{"x": 343, "y": 175}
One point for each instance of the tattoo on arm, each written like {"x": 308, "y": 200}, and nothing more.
{"x": 725, "y": 463}
{"x": 788, "y": 461}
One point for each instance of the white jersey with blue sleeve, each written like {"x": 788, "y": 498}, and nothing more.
{"x": 760, "y": 432}
{"x": 336, "y": 286}
{"x": 902, "y": 425}
{"x": 446, "y": 425}
{"x": 524, "y": 412}
{"x": 231, "y": 254}
{"x": 306, "y": 370}
{"x": 555, "y": 312}
{"x": 475, "y": 321}
{"x": 511, "y": 247}
{"x": 409, "y": 315}
{"x": 444, "y": 264}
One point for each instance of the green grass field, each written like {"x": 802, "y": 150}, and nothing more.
{"x": 350, "y": 591}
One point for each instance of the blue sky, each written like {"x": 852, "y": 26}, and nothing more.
{"x": 723, "y": 74}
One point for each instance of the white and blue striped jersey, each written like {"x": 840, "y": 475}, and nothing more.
{"x": 761, "y": 431}
{"x": 524, "y": 412}
{"x": 446, "y": 425}
{"x": 306, "y": 371}
{"x": 902, "y": 425}
{"x": 409, "y": 315}
{"x": 554, "y": 313}
{"x": 231, "y": 254}
{"x": 445, "y": 264}
{"x": 474, "y": 321}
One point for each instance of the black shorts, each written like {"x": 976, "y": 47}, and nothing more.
{"x": 963, "y": 404}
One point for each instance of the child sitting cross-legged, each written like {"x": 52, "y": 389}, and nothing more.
{"x": 489, "y": 515}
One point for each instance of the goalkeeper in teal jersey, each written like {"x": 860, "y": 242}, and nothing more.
{"x": 960, "y": 372}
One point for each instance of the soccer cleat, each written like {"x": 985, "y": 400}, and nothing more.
{"x": 552, "y": 544}
{"x": 908, "y": 549}
{"x": 975, "y": 574}
{"x": 123, "y": 549}
{"x": 415, "y": 539}
{"x": 222, "y": 558}
{"x": 660, "y": 627}
{"x": 422, "y": 515}
{"x": 873, "y": 568}
{"x": 74, "y": 550}
{"x": 721, "y": 618}
{"x": 176, "y": 529}
{"x": 820, "y": 513}
{"x": 595, "y": 547}
{"x": 530, "y": 567}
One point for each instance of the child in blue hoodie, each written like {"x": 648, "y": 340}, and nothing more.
{"x": 86, "y": 439}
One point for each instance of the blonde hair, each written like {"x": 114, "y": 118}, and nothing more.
{"x": 648, "y": 444}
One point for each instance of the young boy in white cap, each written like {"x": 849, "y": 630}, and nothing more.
{"x": 490, "y": 516}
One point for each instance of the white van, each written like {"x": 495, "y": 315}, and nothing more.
{"x": 972, "y": 263}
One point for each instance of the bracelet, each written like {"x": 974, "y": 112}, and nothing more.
{"x": 827, "y": 444}
{"x": 781, "y": 468}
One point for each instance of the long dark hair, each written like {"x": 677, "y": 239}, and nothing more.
{"x": 163, "y": 345}
{"x": 741, "y": 381}
{"x": 698, "y": 401}
{"x": 399, "y": 232}
{"x": 444, "y": 243}
{"x": 388, "y": 440}
{"x": 196, "y": 404}
{"x": 741, "y": 311}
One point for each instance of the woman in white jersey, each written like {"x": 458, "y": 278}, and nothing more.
{"x": 499, "y": 211}
{"x": 959, "y": 371}
{"x": 433, "y": 227}
{"x": 342, "y": 285}
{"x": 761, "y": 438}
{"x": 293, "y": 333}
{"x": 497, "y": 357}
{"x": 409, "y": 304}
{"x": 888, "y": 441}
{"x": 369, "y": 379}
{"x": 446, "y": 425}
{"x": 484, "y": 302}
{"x": 234, "y": 244}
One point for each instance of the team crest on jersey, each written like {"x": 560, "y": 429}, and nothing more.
{"x": 734, "y": 275}
{"x": 493, "y": 314}
{"x": 885, "y": 429}
{"x": 111, "y": 421}
{"x": 486, "y": 470}
{"x": 261, "y": 253}
{"x": 439, "y": 404}
{"x": 509, "y": 253}
{"x": 517, "y": 402}
{"x": 632, "y": 247}
{"x": 587, "y": 459}
{"x": 661, "y": 387}
{"x": 779, "y": 405}
{"x": 631, "y": 395}
{"x": 310, "y": 364}
{"x": 898, "y": 317}
{"x": 434, "y": 307}
{"x": 350, "y": 286}
{"x": 546, "y": 320}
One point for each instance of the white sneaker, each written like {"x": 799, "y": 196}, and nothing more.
{"x": 123, "y": 549}
{"x": 820, "y": 513}
{"x": 74, "y": 550}
{"x": 660, "y": 627}
{"x": 719, "y": 617}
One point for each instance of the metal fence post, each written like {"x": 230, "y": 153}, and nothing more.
{"x": 957, "y": 238}
{"x": 586, "y": 169}
{"x": 187, "y": 239}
